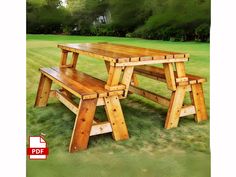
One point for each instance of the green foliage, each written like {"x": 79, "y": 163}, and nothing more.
{"x": 48, "y": 17}
{"x": 202, "y": 32}
{"x": 127, "y": 15}
{"x": 176, "y": 20}
{"x": 84, "y": 14}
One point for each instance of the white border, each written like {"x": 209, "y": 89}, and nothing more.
{"x": 13, "y": 84}
{"x": 13, "y": 88}
{"x": 223, "y": 88}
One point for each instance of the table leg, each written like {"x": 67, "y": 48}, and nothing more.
{"x": 74, "y": 60}
{"x": 64, "y": 55}
{"x": 114, "y": 75}
{"x": 126, "y": 79}
{"x": 63, "y": 63}
{"x": 176, "y": 103}
{"x": 181, "y": 73}
{"x": 43, "y": 91}
{"x": 116, "y": 118}
{"x": 170, "y": 77}
{"x": 83, "y": 124}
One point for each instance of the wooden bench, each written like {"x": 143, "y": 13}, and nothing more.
{"x": 179, "y": 86}
{"x": 92, "y": 93}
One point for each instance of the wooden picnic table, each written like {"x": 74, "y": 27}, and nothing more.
{"x": 121, "y": 61}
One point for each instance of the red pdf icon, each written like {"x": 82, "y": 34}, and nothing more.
{"x": 37, "y": 148}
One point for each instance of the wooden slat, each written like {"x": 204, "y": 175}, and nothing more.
{"x": 84, "y": 79}
{"x": 115, "y": 87}
{"x": 100, "y": 128}
{"x": 74, "y": 87}
{"x": 151, "y": 76}
{"x": 157, "y": 73}
{"x": 121, "y": 53}
{"x": 150, "y": 95}
{"x": 116, "y": 118}
{"x": 176, "y": 54}
{"x": 87, "y": 81}
{"x": 181, "y": 79}
{"x": 116, "y": 93}
{"x": 131, "y": 53}
{"x": 67, "y": 102}
{"x": 98, "y": 53}
{"x": 147, "y": 51}
{"x": 151, "y": 62}
{"x": 187, "y": 110}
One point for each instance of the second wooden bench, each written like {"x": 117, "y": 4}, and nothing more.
{"x": 178, "y": 86}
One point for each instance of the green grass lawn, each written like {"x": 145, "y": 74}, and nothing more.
{"x": 150, "y": 151}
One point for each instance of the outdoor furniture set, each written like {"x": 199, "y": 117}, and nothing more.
{"x": 123, "y": 64}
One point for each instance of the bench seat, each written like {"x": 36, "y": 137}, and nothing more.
{"x": 158, "y": 73}
{"x": 79, "y": 84}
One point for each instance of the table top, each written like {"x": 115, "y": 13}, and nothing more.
{"x": 119, "y": 53}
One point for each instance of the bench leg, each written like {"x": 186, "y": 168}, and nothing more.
{"x": 116, "y": 118}
{"x": 83, "y": 124}
{"x": 43, "y": 91}
{"x": 176, "y": 103}
{"x": 197, "y": 97}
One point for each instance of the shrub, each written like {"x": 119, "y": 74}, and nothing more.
{"x": 202, "y": 32}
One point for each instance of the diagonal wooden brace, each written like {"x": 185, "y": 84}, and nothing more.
{"x": 175, "y": 106}
{"x": 83, "y": 124}
{"x": 116, "y": 118}
{"x": 43, "y": 91}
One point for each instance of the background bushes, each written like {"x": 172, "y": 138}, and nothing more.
{"x": 175, "y": 20}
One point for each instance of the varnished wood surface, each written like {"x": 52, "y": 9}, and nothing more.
{"x": 119, "y": 53}
{"x": 159, "y": 74}
{"x": 80, "y": 84}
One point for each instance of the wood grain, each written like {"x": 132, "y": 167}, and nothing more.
{"x": 116, "y": 118}
{"x": 199, "y": 102}
{"x": 174, "y": 110}
{"x": 120, "y": 53}
{"x": 82, "y": 125}
{"x": 43, "y": 91}
{"x": 169, "y": 76}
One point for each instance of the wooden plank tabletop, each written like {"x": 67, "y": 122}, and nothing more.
{"x": 119, "y": 53}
